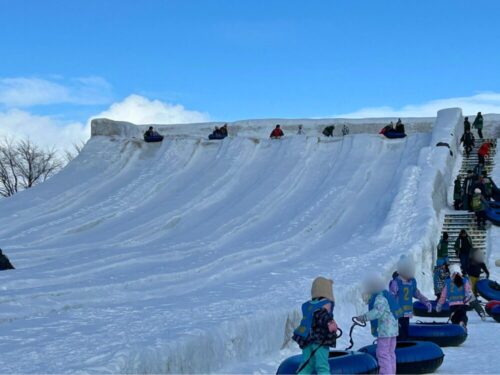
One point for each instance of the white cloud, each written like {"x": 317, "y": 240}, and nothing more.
{"x": 485, "y": 102}
{"x": 140, "y": 110}
{"x": 50, "y": 132}
{"x": 25, "y": 92}
{"x": 43, "y": 130}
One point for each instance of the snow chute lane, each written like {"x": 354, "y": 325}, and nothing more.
{"x": 141, "y": 255}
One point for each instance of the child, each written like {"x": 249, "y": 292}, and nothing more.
{"x": 440, "y": 274}
{"x": 458, "y": 292}
{"x": 383, "y": 315}
{"x": 317, "y": 330}
{"x": 404, "y": 287}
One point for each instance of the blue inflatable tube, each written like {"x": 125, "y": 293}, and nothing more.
{"x": 413, "y": 357}
{"x": 341, "y": 362}
{"x": 153, "y": 138}
{"x": 493, "y": 212}
{"x": 442, "y": 334}
{"x": 394, "y": 135}
{"x": 488, "y": 289}
{"x": 495, "y": 313}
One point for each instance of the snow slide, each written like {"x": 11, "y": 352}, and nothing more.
{"x": 193, "y": 256}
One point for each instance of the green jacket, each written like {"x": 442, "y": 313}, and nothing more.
{"x": 478, "y": 122}
{"x": 477, "y": 202}
{"x": 442, "y": 249}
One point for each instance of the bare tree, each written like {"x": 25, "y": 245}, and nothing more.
{"x": 71, "y": 154}
{"x": 23, "y": 164}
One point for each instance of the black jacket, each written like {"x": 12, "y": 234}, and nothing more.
{"x": 476, "y": 268}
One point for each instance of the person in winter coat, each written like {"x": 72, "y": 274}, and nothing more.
{"x": 483, "y": 152}
{"x": 466, "y": 124}
{"x": 223, "y": 131}
{"x": 458, "y": 292}
{"x": 478, "y": 124}
{"x": 5, "y": 263}
{"x": 300, "y": 131}
{"x": 277, "y": 133}
{"x": 463, "y": 249}
{"x": 457, "y": 194}
{"x": 328, "y": 131}
{"x": 387, "y": 129}
{"x": 383, "y": 315}
{"x": 476, "y": 267}
{"x": 468, "y": 190}
{"x": 400, "y": 127}
{"x": 317, "y": 329}
{"x": 442, "y": 248}
{"x": 479, "y": 208}
{"x": 404, "y": 287}
{"x": 478, "y": 170}
{"x": 150, "y": 132}
{"x": 439, "y": 275}
{"x": 468, "y": 141}
{"x": 487, "y": 184}
{"x": 345, "y": 130}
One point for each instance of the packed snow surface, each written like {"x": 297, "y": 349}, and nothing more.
{"x": 194, "y": 256}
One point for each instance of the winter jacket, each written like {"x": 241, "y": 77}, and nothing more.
{"x": 468, "y": 186}
{"x": 476, "y": 268}
{"x": 387, "y": 323}
{"x": 466, "y": 125}
{"x": 478, "y": 122}
{"x": 440, "y": 275}
{"x": 276, "y": 133}
{"x": 442, "y": 249}
{"x": 5, "y": 263}
{"x": 328, "y": 131}
{"x": 408, "y": 306}
{"x": 457, "y": 190}
{"x": 484, "y": 149}
{"x": 451, "y": 291}
{"x": 463, "y": 246}
{"x": 400, "y": 128}
{"x": 478, "y": 202}
{"x": 467, "y": 139}
{"x": 488, "y": 186}
{"x": 320, "y": 334}
{"x": 386, "y": 129}
{"x": 223, "y": 131}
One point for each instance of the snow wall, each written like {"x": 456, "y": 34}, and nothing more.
{"x": 269, "y": 331}
{"x": 259, "y": 128}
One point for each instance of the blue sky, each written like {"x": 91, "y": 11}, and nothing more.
{"x": 232, "y": 59}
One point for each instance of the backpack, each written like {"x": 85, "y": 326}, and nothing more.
{"x": 477, "y": 204}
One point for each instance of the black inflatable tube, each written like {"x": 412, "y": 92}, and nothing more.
{"x": 414, "y": 357}
{"x": 488, "y": 289}
{"x": 153, "y": 138}
{"x": 341, "y": 362}
{"x": 394, "y": 135}
{"x": 442, "y": 334}
{"x": 419, "y": 309}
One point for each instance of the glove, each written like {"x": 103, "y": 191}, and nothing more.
{"x": 361, "y": 319}
{"x": 332, "y": 326}
{"x": 429, "y": 307}
{"x": 439, "y": 307}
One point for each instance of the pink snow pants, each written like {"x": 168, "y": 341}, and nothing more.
{"x": 386, "y": 355}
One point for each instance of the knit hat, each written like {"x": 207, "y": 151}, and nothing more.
{"x": 405, "y": 267}
{"x": 455, "y": 269}
{"x": 322, "y": 288}
{"x": 373, "y": 283}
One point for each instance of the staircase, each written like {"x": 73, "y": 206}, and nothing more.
{"x": 471, "y": 161}
{"x": 455, "y": 221}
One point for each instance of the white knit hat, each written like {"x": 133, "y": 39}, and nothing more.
{"x": 455, "y": 269}
{"x": 477, "y": 191}
{"x": 322, "y": 288}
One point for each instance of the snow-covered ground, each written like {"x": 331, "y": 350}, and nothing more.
{"x": 194, "y": 256}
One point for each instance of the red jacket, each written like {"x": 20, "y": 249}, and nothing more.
{"x": 484, "y": 149}
{"x": 277, "y": 133}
